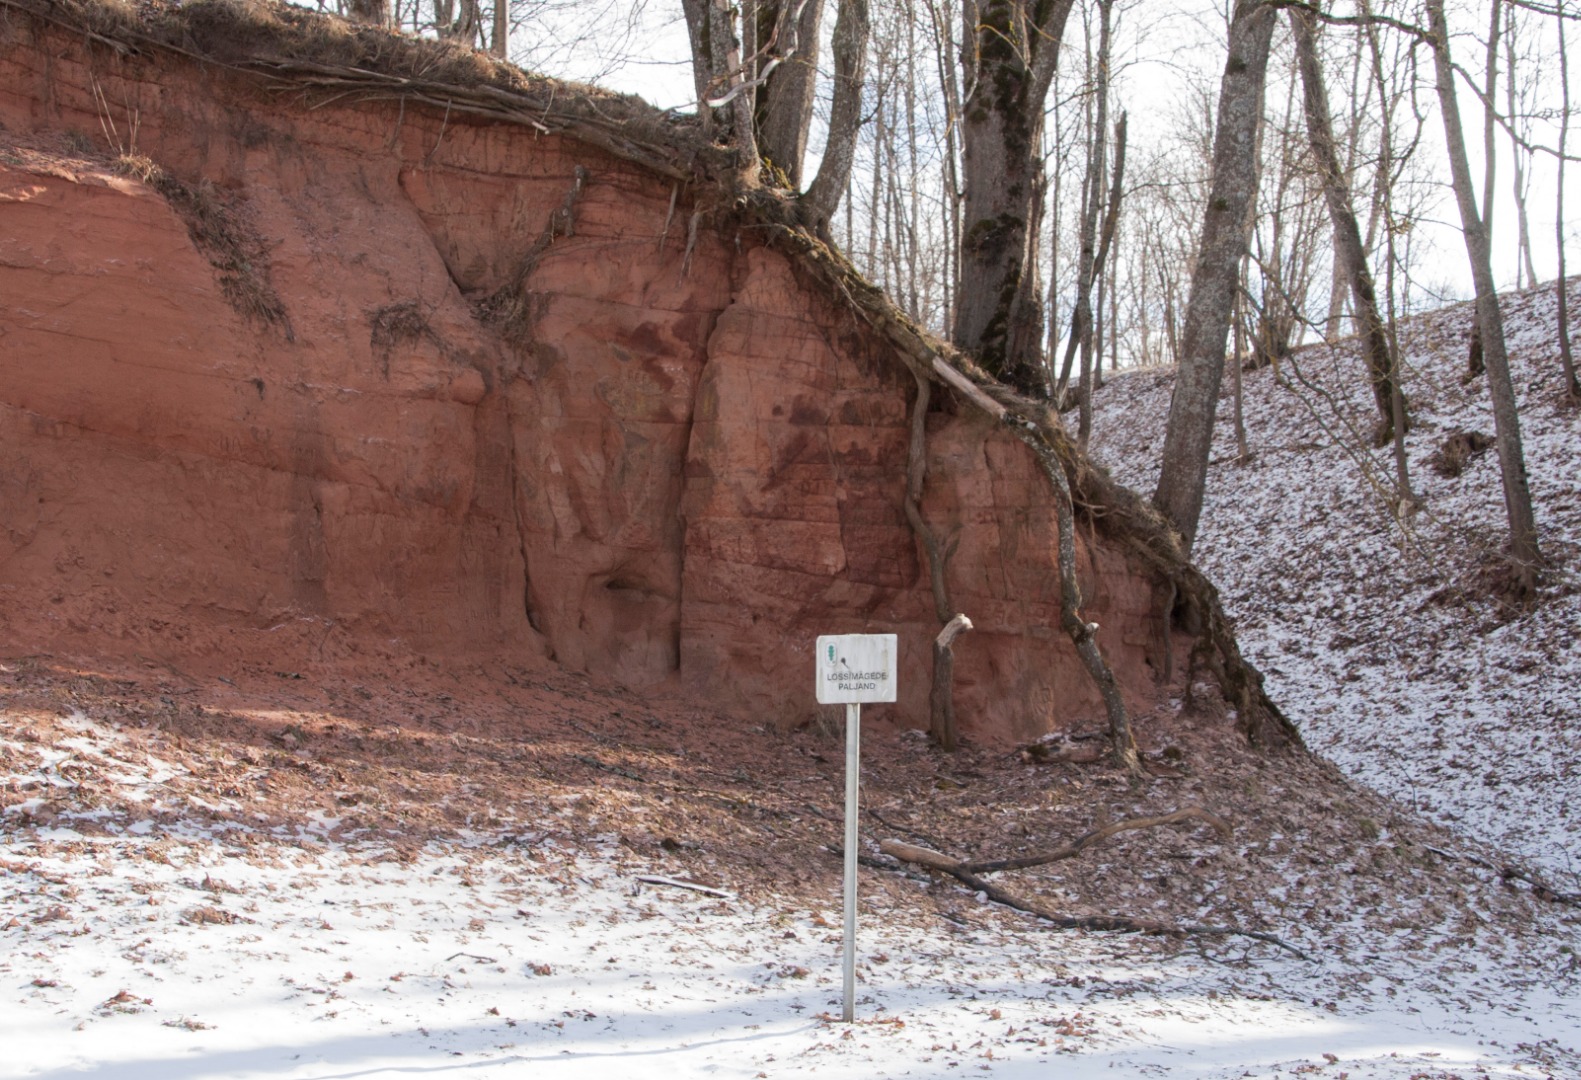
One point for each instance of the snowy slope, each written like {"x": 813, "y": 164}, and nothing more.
{"x": 1382, "y": 641}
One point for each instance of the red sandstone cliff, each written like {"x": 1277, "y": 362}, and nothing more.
{"x": 253, "y": 401}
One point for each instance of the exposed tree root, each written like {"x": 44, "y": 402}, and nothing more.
{"x": 941, "y": 694}
{"x": 1120, "y": 514}
{"x": 1083, "y": 634}
{"x": 509, "y": 306}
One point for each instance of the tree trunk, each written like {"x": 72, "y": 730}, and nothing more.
{"x": 1348, "y": 251}
{"x": 724, "y": 93}
{"x": 787, "y": 30}
{"x": 1512, "y": 465}
{"x": 1081, "y": 322}
{"x": 499, "y": 42}
{"x": 467, "y": 23}
{"x": 1489, "y": 160}
{"x": 941, "y": 698}
{"x": 1572, "y": 388}
{"x": 1226, "y": 222}
{"x": 372, "y": 12}
{"x": 1010, "y": 56}
{"x": 1237, "y": 370}
{"x": 1091, "y": 373}
{"x": 1522, "y": 181}
{"x": 851, "y": 28}
{"x": 705, "y": 60}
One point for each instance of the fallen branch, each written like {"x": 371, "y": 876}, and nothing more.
{"x": 1189, "y": 813}
{"x": 677, "y": 883}
{"x": 1122, "y": 924}
{"x": 1509, "y": 872}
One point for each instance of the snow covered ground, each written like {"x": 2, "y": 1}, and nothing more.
{"x": 190, "y": 956}
{"x": 1383, "y": 643}
{"x": 188, "y": 894}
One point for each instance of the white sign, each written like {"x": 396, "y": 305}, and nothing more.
{"x": 856, "y": 668}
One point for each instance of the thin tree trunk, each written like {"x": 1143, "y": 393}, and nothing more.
{"x": 1091, "y": 375}
{"x": 1237, "y": 366}
{"x": 1490, "y": 84}
{"x": 1490, "y": 87}
{"x": 499, "y": 40}
{"x": 1112, "y": 276}
{"x": 1226, "y": 222}
{"x": 1171, "y": 330}
{"x": 1092, "y": 198}
{"x": 1566, "y": 360}
{"x": 1523, "y": 255}
{"x": 1524, "y": 553}
{"x": 944, "y": 38}
{"x": 1347, "y": 234}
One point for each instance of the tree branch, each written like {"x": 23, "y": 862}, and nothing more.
{"x": 1069, "y": 851}
{"x": 1123, "y": 924}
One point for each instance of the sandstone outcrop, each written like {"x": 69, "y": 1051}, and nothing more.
{"x": 260, "y": 389}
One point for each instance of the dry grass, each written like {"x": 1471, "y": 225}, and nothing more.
{"x": 301, "y": 49}
{"x": 219, "y": 228}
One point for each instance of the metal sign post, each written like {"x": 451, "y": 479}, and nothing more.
{"x": 853, "y": 770}
{"x": 851, "y": 669}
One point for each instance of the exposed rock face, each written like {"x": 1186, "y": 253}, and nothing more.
{"x": 258, "y": 400}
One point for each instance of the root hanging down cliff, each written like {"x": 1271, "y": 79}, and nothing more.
{"x": 505, "y": 404}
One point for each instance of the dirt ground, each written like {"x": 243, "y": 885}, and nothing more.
{"x": 420, "y": 753}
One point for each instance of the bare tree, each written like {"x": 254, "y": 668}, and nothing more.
{"x": 1525, "y": 556}
{"x": 1517, "y": 91}
{"x": 1214, "y": 284}
{"x": 1572, "y": 388}
{"x": 1091, "y": 331}
{"x": 1348, "y": 251}
{"x": 1087, "y": 262}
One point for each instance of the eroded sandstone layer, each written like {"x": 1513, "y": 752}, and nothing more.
{"x": 258, "y": 392}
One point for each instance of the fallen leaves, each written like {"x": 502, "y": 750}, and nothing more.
{"x": 206, "y": 915}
